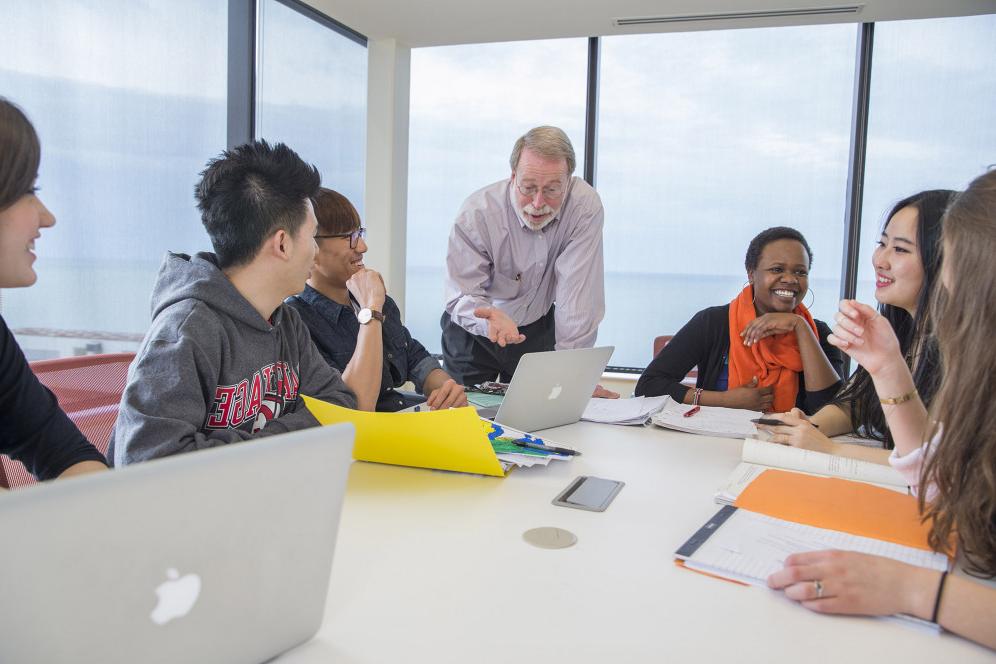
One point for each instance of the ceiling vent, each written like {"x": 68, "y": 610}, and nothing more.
{"x": 830, "y": 10}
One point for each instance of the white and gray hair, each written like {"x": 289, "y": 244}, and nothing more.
{"x": 546, "y": 141}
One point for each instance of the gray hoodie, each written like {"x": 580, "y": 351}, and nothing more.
{"x": 212, "y": 371}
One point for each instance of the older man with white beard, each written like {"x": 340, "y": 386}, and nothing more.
{"x": 518, "y": 246}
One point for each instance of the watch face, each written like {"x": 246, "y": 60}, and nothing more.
{"x": 364, "y": 316}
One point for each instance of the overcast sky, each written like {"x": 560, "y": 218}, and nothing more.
{"x": 705, "y": 138}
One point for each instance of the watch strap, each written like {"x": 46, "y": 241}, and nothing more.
{"x": 366, "y": 314}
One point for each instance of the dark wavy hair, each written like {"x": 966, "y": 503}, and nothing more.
{"x": 915, "y": 333}
{"x": 962, "y": 466}
{"x": 20, "y": 154}
{"x": 766, "y": 237}
{"x": 248, "y": 193}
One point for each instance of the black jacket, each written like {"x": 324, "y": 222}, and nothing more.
{"x": 704, "y": 341}
{"x": 33, "y": 429}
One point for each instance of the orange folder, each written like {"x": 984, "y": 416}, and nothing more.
{"x": 835, "y": 504}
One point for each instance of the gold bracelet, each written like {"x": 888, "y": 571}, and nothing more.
{"x": 895, "y": 401}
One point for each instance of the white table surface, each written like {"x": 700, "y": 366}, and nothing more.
{"x": 431, "y": 567}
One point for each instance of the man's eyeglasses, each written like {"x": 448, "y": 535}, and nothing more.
{"x": 553, "y": 192}
{"x": 354, "y": 236}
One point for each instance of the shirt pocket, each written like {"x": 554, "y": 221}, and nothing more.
{"x": 395, "y": 343}
{"x": 504, "y": 288}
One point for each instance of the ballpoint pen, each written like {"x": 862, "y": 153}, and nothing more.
{"x": 546, "y": 448}
{"x": 774, "y": 423}
{"x": 691, "y": 411}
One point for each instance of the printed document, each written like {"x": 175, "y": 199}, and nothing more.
{"x": 707, "y": 421}
{"x": 759, "y": 456}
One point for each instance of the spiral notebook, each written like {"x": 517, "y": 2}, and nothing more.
{"x": 782, "y": 513}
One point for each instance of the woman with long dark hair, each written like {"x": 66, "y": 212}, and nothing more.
{"x": 954, "y": 472}
{"x": 907, "y": 265}
{"x": 33, "y": 429}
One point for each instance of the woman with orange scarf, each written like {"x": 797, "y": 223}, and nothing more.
{"x": 762, "y": 351}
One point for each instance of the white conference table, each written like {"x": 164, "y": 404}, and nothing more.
{"x": 431, "y": 567}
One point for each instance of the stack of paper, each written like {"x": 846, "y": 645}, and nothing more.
{"x": 707, "y": 421}
{"x": 449, "y": 439}
{"x": 636, "y": 410}
{"x": 759, "y": 456}
{"x": 510, "y": 454}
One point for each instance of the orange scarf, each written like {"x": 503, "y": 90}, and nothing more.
{"x": 774, "y": 360}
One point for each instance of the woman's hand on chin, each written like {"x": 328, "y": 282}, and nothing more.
{"x": 768, "y": 325}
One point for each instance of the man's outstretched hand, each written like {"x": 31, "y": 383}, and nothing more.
{"x": 502, "y": 330}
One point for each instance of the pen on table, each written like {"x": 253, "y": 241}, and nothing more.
{"x": 547, "y": 448}
{"x": 691, "y": 411}
{"x": 775, "y": 423}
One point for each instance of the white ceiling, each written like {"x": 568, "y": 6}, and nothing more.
{"x": 438, "y": 22}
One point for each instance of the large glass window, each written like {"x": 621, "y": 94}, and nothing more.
{"x": 312, "y": 95}
{"x": 705, "y": 139}
{"x": 933, "y": 100}
{"x": 468, "y": 106}
{"x": 129, "y": 101}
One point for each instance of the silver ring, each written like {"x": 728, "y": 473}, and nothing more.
{"x": 819, "y": 589}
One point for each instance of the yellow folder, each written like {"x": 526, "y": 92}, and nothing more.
{"x": 450, "y": 439}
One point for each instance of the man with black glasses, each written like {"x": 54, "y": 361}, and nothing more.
{"x": 518, "y": 246}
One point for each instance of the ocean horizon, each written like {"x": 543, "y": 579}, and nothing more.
{"x": 639, "y": 307}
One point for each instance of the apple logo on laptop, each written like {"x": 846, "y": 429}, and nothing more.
{"x": 555, "y": 392}
{"x": 175, "y": 597}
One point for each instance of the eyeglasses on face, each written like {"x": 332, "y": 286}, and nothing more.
{"x": 553, "y": 192}
{"x": 354, "y": 236}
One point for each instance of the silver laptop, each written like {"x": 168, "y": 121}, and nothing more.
{"x": 550, "y": 389}
{"x": 216, "y": 556}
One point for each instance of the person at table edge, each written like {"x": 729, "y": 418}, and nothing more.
{"x": 762, "y": 351}
{"x": 518, "y": 246}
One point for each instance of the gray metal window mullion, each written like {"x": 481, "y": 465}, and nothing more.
{"x": 241, "y": 127}
{"x": 591, "y": 111}
{"x": 856, "y": 166}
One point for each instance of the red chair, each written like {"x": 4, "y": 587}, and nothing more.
{"x": 659, "y": 343}
{"x": 89, "y": 389}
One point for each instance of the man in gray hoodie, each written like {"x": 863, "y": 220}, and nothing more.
{"x": 225, "y": 360}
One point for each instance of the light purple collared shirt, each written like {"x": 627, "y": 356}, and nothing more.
{"x": 495, "y": 259}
